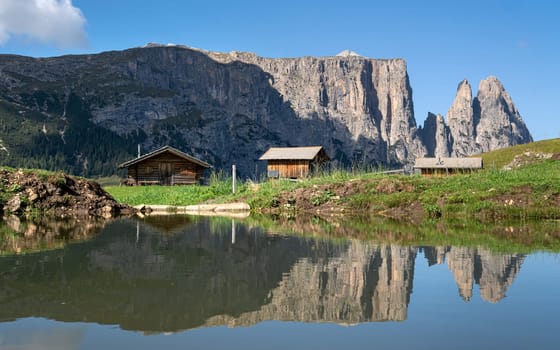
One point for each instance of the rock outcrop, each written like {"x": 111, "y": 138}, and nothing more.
{"x": 436, "y": 135}
{"x": 56, "y": 194}
{"x": 488, "y": 122}
{"x": 529, "y": 157}
{"x": 461, "y": 122}
{"x": 499, "y": 124}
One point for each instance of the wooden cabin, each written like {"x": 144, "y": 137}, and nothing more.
{"x": 294, "y": 162}
{"x": 165, "y": 166}
{"x": 446, "y": 166}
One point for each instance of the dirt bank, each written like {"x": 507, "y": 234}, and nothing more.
{"x": 23, "y": 192}
{"x": 333, "y": 200}
{"x": 404, "y": 199}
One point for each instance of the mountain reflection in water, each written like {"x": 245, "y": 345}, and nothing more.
{"x": 164, "y": 274}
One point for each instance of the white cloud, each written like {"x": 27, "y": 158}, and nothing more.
{"x": 50, "y": 22}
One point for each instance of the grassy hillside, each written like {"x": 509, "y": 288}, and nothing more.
{"x": 499, "y": 158}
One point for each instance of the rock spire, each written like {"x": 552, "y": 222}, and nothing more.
{"x": 488, "y": 122}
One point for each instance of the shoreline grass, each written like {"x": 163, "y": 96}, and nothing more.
{"x": 219, "y": 189}
{"x": 531, "y": 191}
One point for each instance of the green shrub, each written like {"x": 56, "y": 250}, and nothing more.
{"x": 322, "y": 198}
{"x": 14, "y": 188}
{"x": 433, "y": 211}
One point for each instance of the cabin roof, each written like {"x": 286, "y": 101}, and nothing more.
{"x": 163, "y": 150}
{"x": 290, "y": 153}
{"x": 448, "y": 163}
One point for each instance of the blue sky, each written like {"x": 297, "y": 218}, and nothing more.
{"x": 443, "y": 42}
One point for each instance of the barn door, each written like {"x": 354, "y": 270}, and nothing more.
{"x": 166, "y": 173}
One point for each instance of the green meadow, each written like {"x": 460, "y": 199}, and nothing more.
{"x": 530, "y": 191}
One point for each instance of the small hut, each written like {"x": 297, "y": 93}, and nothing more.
{"x": 446, "y": 166}
{"x": 165, "y": 166}
{"x": 294, "y": 162}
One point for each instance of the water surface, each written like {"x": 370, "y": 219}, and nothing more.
{"x": 182, "y": 282}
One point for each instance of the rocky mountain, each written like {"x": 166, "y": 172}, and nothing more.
{"x": 489, "y": 121}
{"x": 86, "y": 113}
{"x": 436, "y": 136}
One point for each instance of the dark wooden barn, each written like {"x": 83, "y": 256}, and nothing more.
{"x": 165, "y": 166}
{"x": 294, "y": 162}
{"x": 446, "y": 166}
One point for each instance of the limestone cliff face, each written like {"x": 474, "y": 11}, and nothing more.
{"x": 225, "y": 108}
{"x": 228, "y": 108}
{"x": 436, "y": 136}
{"x": 489, "y": 121}
{"x": 365, "y": 101}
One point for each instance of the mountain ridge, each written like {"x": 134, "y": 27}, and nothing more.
{"x": 86, "y": 113}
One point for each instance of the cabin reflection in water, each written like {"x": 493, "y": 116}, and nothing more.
{"x": 176, "y": 273}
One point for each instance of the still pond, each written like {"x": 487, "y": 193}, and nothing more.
{"x": 180, "y": 282}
